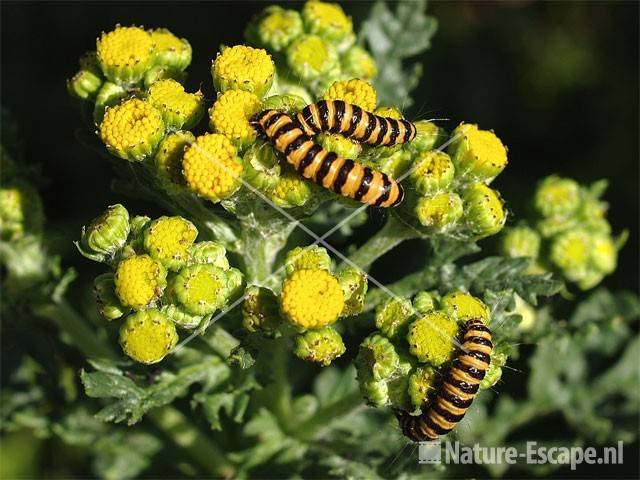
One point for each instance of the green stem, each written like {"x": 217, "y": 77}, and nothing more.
{"x": 281, "y": 385}
{"x": 323, "y": 419}
{"x": 220, "y": 341}
{"x": 184, "y": 434}
{"x": 391, "y": 235}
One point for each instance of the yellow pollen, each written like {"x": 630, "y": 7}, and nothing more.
{"x": 355, "y": 91}
{"x": 169, "y": 97}
{"x": 139, "y": 280}
{"x": 243, "y": 68}
{"x": 125, "y": 46}
{"x": 168, "y": 238}
{"x": 231, "y": 113}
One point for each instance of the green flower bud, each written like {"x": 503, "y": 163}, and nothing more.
{"x": 89, "y": 61}
{"x": 463, "y": 307}
{"x": 171, "y": 52}
{"x": 398, "y": 392}
{"x": 439, "y": 212}
{"x": 179, "y": 109}
{"x": 234, "y": 284}
{"x": 20, "y": 211}
{"x": 431, "y": 338}
{"x": 181, "y": 317}
{"x": 478, "y": 153}
{"x": 483, "y": 210}
{"x": 424, "y": 302}
{"x": 105, "y": 235}
{"x": 393, "y": 316}
{"x": 109, "y": 306}
{"x": 135, "y": 242}
{"x": 494, "y": 372}
{"x": 208, "y": 252}
{"x": 310, "y": 57}
{"x": 421, "y": 385}
{"x": 552, "y": 226}
{"x": 589, "y": 279}
{"x": 321, "y": 346}
{"x": 604, "y": 255}
{"x": 520, "y": 242}
{"x": 159, "y": 73}
{"x": 168, "y": 160}
{"x": 148, "y": 336}
{"x": 357, "y": 63}
{"x": 201, "y": 289}
{"x": 284, "y": 86}
{"x": 276, "y": 28}
{"x": 84, "y": 85}
{"x": 375, "y": 392}
{"x": 327, "y": 20}
{"x": 261, "y": 312}
{"x": 393, "y": 163}
{"x": 306, "y": 258}
{"x": 291, "y": 190}
{"x": 243, "y": 68}
{"x": 432, "y": 172}
{"x": 592, "y": 214}
{"x": 262, "y": 166}
{"x": 354, "y": 287}
{"x": 378, "y": 357}
{"x": 570, "y": 253}
{"x": 339, "y": 144}
{"x": 108, "y": 96}
{"x": 289, "y": 103}
{"x": 428, "y": 137}
{"x": 168, "y": 240}
{"x": 557, "y": 197}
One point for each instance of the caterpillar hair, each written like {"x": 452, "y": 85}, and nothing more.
{"x": 336, "y": 116}
{"x": 458, "y": 388}
{"x": 344, "y": 176}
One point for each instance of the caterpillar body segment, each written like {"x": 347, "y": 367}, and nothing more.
{"x": 458, "y": 388}
{"x": 342, "y": 175}
{"x": 337, "y": 116}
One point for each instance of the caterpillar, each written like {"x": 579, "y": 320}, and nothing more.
{"x": 345, "y": 176}
{"x": 458, "y": 388}
{"x": 336, "y": 116}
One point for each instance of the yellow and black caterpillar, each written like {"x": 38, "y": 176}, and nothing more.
{"x": 344, "y": 176}
{"x": 336, "y": 116}
{"x": 458, "y": 388}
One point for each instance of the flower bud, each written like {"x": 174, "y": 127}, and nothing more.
{"x": 339, "y": 144}
{"x": 440, "y": 211}
{"x": 234, "y": 285}
{"x": 289, "y": 103}
{"x": 377, "y": 358}
{"x": 276, "y": 28}
{"x": 526, "y": 311}
{"x": 171, "y": 51}
{"x": 140, "y": 281}
{"x": 393, "y": 316}
{"x": 168, "y": 160}
{"x": 148, "y": 336}
{"x": 310, "y": 57}
{"x": 200, "y": 289}
{"x": 421, "y": 385}
{"x": 478, "y": 153}
{"x": 311, "y": 298}
{"x": 604, "y": 255}
{"x": 592, "y": 214}
{"x": 211, "y": 167}
{"x": 483, "y": 210}
{"x": 428, "y": 136}
{"x": 84, "y": 85}
{"x": 20, "y": 210}
{"x": 355, "y": 91}
{"x": 208, "y": 252}
{"x": 135, "y": 242}
{"x": 375, "y": 392}
{"x": 424, "y": 302}
{"x": 132, "y": 130}
{"x": 306, "y": 258}
{"x": 431, "y": 338}
{"x": 520, "y": 241}
{"x": 180, "y": 316}
{"x": 570, "y": 253}
{"x": 243, "y": 68}
{"x": 432, "y": 172}
{"x": 159, "y": 73}
{"x": 106, "y": 234}
{"x": 260, "y": 312}
{"x": 354, "y": 288}
{"x": 291, "y": 190}
{"x": 394, "y": 161}
{"x": 125, "y": 54}
{"x": 552, "y": 226}
{"x": 494, "y": 372}
{"x": 109, "y": 306}
{"x": 557, "y": 197}
{"x": 108, "y": 96}
{"x": 321, "y": 346}
{"x": 262, "y": 166}
{"x": 179, "y": 109}
{"x": 327, "y": 20}
{"x": 463, "y": 307}
{"x": 168, "y": 240}
{"x": 357, "y": 63}
{"x": 230, "y": 116}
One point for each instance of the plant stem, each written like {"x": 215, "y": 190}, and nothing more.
{"x": 281, "y": 385}
{"x": 184, "y": 434}
{"x": 327, "y": 415}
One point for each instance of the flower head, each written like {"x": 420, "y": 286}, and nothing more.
{"x": 171, "y": 51}
{"x": 377, "y": 358}
{"x": 139, "y": 281}
{"x": 168, "y": 239}
{"x": 287, "y": 102}
{"x": 231, "y": 113}
{"x": 432, "y": 172}
{"x": 358, "y": 63}
{"x": 440, "y": 211}
{"x": 132, "y": 130}
{"x": 478, "y": 153}
{"x": 557, "y": 197}
{"x": 104, "y": 289}
{"x": 354, "y": 288}
{"x": 148, "y": 336}
{"x": 168, "y": 159}
{"x": 243, "y": 68}
{"x": 179, "y": 109}
{"x": 276, "y": 27}
{"x": 604, "y": 254}
{"x": 494, "y": 372}
{"x": 180, "y": 316}
{"x": 431, "y": 338}
{"x": 200, "y": 289}
{"x": 85, "y": 84}
{"x": 260, "y": 311}
{"x": 125, "y": 53}
{"x": 291, "y": 190}
{"x": 483, "y": 210}
{"x": 463, "y": 307}
{"x": 311, "y": 57}
{"x": 20, "y": 210}
{"x": 421, "y": 385}
{"x": 208, "y": 252}
{"x": 306, "y": 258}
{"x": 570, "y": 253}
{"x": 106, "y": 234}
{"x": 321, "y": 346}
{"x": 339, "y": 144}
{"x": 311, "y": 299}
{"x": 391, "y": 112}
{"x": 211, "y": 167}
{"x": 262, "y": 166}
{"x": 108, "y": 96}
{"x": 393, "y": 316}
{"x": 354, "y": 91}
{"x": 327, "y": 20}
{"x": 428, "y": 136}
{"x": 424, "y": 302}
{"x": 520, "y": 241}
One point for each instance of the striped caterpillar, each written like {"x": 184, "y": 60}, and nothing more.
{"x": 457, "y": 390}
{"x": 336, "y": 116}
{"x": 344, "y": 176}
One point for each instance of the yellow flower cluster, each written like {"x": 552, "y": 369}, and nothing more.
{"x": 125, "y": 53}
{"x": 139, "y": 280}
{"x": 168, "y": 239}
{"x": 148, "y": 336}
{"x": 243, "y": 68}
{"x": 179, "y": 108}
{"x": 231, "y": 113}
{"x": 355, "y": 91}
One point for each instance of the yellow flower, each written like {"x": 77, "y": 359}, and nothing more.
{"x": 211, "y": 167}
{"x": 171, "y": 51}
{"x": 168, "y": 239}
{"x": 464, "y": 307}
{"x": 310, "y": 57}
{"x": 483, "y": 209}
{"x": 321, "y": 346}
{"x": 201, "y": 289}
{"x": 278, "y": 27}
{"x": 148, "y": 336}
{"x": 391, "y": 112}
{"x": 291, "y": 190}
{"x": 440, "y": 211}
{"x": 432, "y": 171}
{"x": 243, "y": 68}
{"x": 479, "y": 153}
{"x": 571, "y": 252}
{"x": 125, "y": 54}
{"x": 307, "y": 258}
{"x": 355, "y": 91}
{"x": 311, "y": 298}
{"x": 168, "y": 159}
{"x": 231, "y": 113}
{"x": 339, "y": 144}
{"x": 431, "y": 338}
{"x": 139, "y": 281}
{"x": 557, "y": 197}
{"x": 179, "y": 108}
{"x": 327, "y": 20}
{"x": 132, "y": 130}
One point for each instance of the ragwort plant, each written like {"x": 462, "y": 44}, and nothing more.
{"x": 248, "y": 311}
